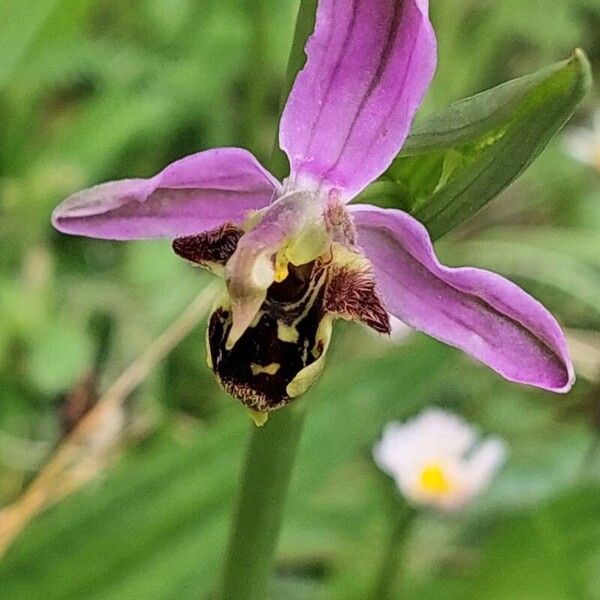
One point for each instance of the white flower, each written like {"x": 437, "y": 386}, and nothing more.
{"x": 436, "y": 459}
{"x": 583, "y": 143}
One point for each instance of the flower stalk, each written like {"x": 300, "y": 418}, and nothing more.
{"x": 272, "y": 449}
{"x": 401, "y": 520}
{"x": 259, "y": 513}
{"x": 305, "y": 23}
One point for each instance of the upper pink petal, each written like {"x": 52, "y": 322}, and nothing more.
{"x": 369, "y": 64}
{"x": 191, "y": 195}
{"x": 480, "y": 312}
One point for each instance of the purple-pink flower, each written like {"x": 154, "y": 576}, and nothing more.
{"x": 294, "y": 255}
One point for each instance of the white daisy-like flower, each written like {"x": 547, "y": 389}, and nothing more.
{"x": 583, "y": 143}
{"x": 437, "y": 459}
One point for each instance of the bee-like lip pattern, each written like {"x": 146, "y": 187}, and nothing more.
{"x": 275, "y": 348}
{"x": 286, "y": 335}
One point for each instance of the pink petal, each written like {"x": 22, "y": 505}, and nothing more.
{"x": 480, "y": 312}
{"x": 194, "y": 194}
{"x": 369, "y": 65}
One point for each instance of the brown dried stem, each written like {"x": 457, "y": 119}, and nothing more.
{"x": 89, "y": 447}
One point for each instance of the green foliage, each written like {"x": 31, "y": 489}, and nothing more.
{"x": 155, "y": 526}
{"x": 569, "y": 268}
{"x": 59, "y": 356}
{"x": 91, "y": 91}
{"x": 549, "y": 553}
{"x": 458, "y": 160}
{"x": 21, "y": 24}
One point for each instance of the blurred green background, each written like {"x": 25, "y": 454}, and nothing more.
{"x": 92, "y": 90}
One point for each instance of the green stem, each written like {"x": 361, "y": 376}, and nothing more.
{"x": 254, "y": 108}
{"x": 272, "y": 448}
{"x": 259, "y": 514}
{"x": 305, "y": 24}
{"x": 392, "y": 555}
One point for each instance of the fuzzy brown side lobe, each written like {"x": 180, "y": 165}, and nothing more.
{"x": 352, "y": 294}
{"x": 210, "y": 247}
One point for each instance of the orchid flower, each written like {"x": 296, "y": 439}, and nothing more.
{"x": 436, "y": 459}
{"x": 294, "y": 255}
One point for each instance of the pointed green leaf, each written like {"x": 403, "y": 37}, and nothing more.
{"x": 455, "y": 162}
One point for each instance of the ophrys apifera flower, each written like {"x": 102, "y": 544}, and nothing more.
{"x": 295, "y": 255}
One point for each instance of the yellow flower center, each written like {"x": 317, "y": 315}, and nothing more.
{"x": 434, "y": 481}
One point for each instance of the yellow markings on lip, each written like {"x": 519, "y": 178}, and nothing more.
{"x": 281, "y": 267}
{"x": 307, "y": 376}
{"x": 268, "y": 370}
{"x": 434, "y": 480}
{"x": 287, "y": 333}
{"x": 258, "y": 416}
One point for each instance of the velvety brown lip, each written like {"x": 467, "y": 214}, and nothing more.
{"x": 259, "y": 367}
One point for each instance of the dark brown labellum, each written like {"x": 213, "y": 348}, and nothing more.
{"x": 276, "y": 347}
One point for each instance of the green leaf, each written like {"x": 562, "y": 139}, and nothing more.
{"x": 458, "y": 160}
{"x": 550, "y": 553}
